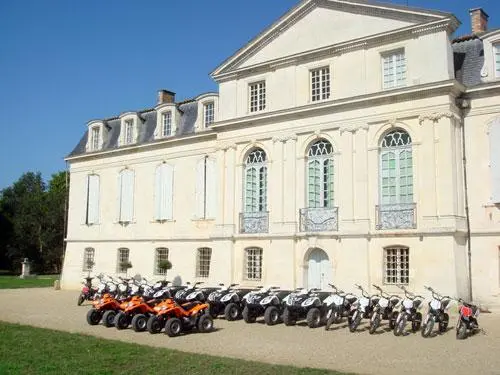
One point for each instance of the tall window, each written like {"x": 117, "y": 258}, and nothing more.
{"x": 496, "y": 50}
{"x": 161, "y": 255}
{"x": 208, "y": 113}
{"x": 257, "y": 96}
{"x": 92, "y": 207}
{"x": 394, "y": 69}
{"x": 205, "y": 188}
{"x": 253, "y": 263}
{"x": 164, "y": 177}
{"x": 256, "y": 181}
{"x": 123, "y": 256}
{"x": 320, "y": 84}
{"x": 88, "y": 259}
{"x": 320, "y": 174}
{"x": 396, "y": 265}
{"x": 129, "y": 132}
{"x": 95, "y": 138}
{"x": 126, "y": 196}
{"x": 166, "y": 124}
{"x": 396, "y": 168}
{"x": 203, "y": 257}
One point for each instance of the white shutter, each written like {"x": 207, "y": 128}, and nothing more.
{"x": 93, "y": 199}
{"x": 168, "y": 191}
{"x": 495, "y": 161}
{"x": 200, "y": 189}
{"x": 127, "y": 196}
{"x": 211, "y": 189}
{"x": 86, "y": 211}
{"x": 159, "y": 180}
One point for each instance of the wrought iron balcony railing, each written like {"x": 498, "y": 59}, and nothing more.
{"x": 322, "y": 219}
{"x": 396, "y": 216}
{"x": 254, "y": 222}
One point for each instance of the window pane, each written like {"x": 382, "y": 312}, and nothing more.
{"x": 253, "y": 263}
{"x": 161, "y": 255}
{"x": 396, "y": 265}
{"x": 203, "y": 262}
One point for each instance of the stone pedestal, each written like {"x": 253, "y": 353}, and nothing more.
{"x": 26, "y": 268}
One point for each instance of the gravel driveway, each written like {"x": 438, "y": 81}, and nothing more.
{"x": 337, "y": 349}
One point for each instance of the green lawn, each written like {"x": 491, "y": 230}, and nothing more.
{"x": 14, "y": 282}
{"x": 28, "y": 350}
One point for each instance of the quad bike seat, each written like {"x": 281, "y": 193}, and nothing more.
{"x": 351, "y": 299}
{"x": 188, "y": 306}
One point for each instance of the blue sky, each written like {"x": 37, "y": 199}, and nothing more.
{"x": 63, "y": 63}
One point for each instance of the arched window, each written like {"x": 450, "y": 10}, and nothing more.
{"x": 253, "y": 263}
{"x": 396, "y": 265}
{"x": 320, "y": 175}
{"x": 256, "y": 181}
{"x": 160, "y": 256}
{"x": 203, "y": 257}
{"x": 396, "y": 168}
{"x": 88, "y": 259}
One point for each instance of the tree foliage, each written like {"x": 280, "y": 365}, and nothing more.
{"x": 32, "y": 220}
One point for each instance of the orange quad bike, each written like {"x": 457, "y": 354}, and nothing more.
{"x": 181, "y": 318}
{"x": 137, "y": 312}
{"x": 105, "y": 308}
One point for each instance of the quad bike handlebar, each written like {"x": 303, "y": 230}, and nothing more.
{"x": 436, "y": 295}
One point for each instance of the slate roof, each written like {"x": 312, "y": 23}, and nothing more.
{"x": 146, "y": 127}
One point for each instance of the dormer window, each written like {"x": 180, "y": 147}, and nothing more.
{"x": 129, "y": 131}
{"x": 166, "y": 124}
{"x": 129, "y": 126}
{"x": 95, "y": 138}
{"x": 208, "y": 113}
{"x": 96, "y": 135}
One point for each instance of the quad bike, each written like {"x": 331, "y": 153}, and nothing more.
{"x": 228, "y": 301}
{"x": 181, "y": 295}
{"x": 105, "y": 308}
{"x": 180, "y": 318}
{"x": 137, "y": 312}
{"x": 305, "y": 304}
{"x": 437, "y": 313}
{"x": 409, "y": 312}
{"x": 467, "y": 321}
{"x": 362, "y": 308}
{"x": 384, "y": 309}
{"x": 267, "y": 302}
{"x": 340, "y": 308}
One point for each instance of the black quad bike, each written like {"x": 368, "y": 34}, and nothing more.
{"x": 384, "y": 309}
{"x": 409, "y": 312}
{"x": 267, "y": 302}
{"x": 228, "y": 301}
{"x": 306, "y": 304}
{"x": 437, "y": 313}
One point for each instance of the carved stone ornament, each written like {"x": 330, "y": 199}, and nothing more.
{"x": 226, "y": 146}
{"x": 285, "y": 138}
{"x": 435, "y": 116}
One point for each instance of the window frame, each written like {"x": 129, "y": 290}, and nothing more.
{"x": 496, "y": 63}
{"x": 95, "y": 140}
{"x": 401, "y": 275}
{"x": 128, "y": 130}
{"x": 166, "y": 124}
{"x": 121, "y": 259}
{"x": 321, "y": 83}
{"x": 257, "y": 96}
{"x": 393, "y": 54}
{"x": 208, "y": 113}
{"x": 159, "y": 258}
{"x": 325, "y": 186}
{"x": 255, "y": 174}
{"x": 88, "y": 253}
{"x": 203, "y": 262}
{"x": 251, "y": 273}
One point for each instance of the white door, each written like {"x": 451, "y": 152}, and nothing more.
{"x": 319, "y": 272}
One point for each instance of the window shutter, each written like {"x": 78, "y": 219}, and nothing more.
{"x": 211, "y": 195}
{"x": 200, "y": 189}
{"x": 495, "y": 161}
{"x": 168, "y": 191}
{"x": 93, "y": 199}
{"x": 159, "y": 182}
{"x": 127, "y": 196}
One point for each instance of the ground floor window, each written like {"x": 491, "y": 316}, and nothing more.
{"x": 396, "y": 265}
{"x": 253, "y": 263}
{"x": 161, "y": 255}
{"x": 203, "y": 258}
{"x": 123, "y": 258}
{"x": 88, "y": 259}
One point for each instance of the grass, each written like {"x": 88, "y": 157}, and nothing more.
{"x": 29, "y": 351}
{"x": 14, "y": 282}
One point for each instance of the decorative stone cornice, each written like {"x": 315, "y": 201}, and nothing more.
{"x": 285, "y": 138}
{"x": 352, "y": 128}
{"x": 435, "y": 116}
{"x": 225, "y": 146}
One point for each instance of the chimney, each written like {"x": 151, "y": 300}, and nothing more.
{"x": 165, "y": 96}
{"x": 479, "y": 20}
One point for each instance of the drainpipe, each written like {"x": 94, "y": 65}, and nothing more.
{"x": 464, "y": 104}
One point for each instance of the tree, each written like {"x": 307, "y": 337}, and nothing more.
{"x": 165, "y": 265}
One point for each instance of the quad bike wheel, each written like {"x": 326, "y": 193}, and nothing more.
{"x": 121, "y": 320}
{"x": 139, "y": 322}
{"x": 81, "y": 298}
{"x": 108, "y": 319}
{"x": 247, "y": 316}
{"x": 173, "y": 327}
{"x": 94, "y": 317}
{"x": 427, "y": 328}
{"x": 461, "y": 331}
{"x": 232, "y": 311}
{"x": 313, "y": 318}
{"x": 205, "y": 323}
{"x": 154, "y": 325}
{"x": 443, "y": 324}
{"x": 272, "y": 315}
{"x": 288, "y": 318}
{"x": 374, "y": 323}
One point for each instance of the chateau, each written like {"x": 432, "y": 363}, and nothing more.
{"x": 350, "y": 142}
